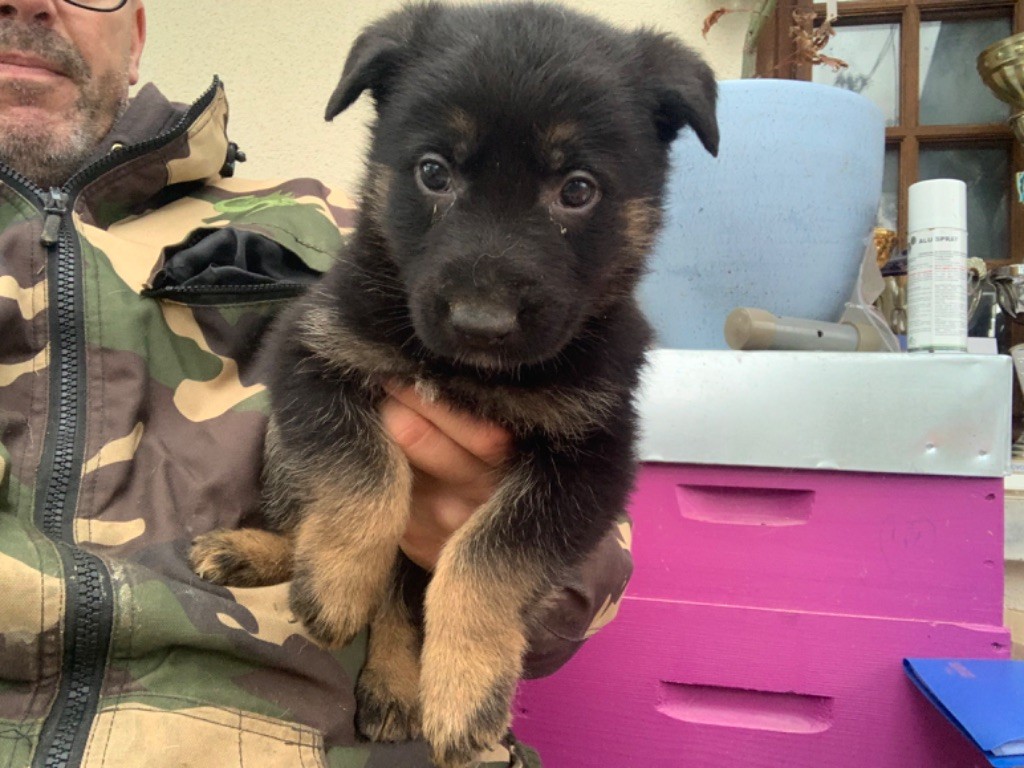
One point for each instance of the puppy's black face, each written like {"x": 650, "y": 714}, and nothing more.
{"x": 516, "y": 173}
{"x": 511, "y": 207}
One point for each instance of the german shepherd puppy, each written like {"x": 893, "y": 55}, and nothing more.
{"x": 513, "y": 191}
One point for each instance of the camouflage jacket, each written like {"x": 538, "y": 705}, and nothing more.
{"x": 131, "y": 301}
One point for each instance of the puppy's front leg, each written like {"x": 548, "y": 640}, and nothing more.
{"x": 476, "y": 634}
{"x": 338, "y": 481}
{"x": 550, "y": 510}
{"x": 347, "y": 540}
{"x": 387, "y": 693}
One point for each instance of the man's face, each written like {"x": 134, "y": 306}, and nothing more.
{"x": 64, "y": 78}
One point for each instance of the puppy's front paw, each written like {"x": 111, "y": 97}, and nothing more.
{"x": 241, "y": 558}
{"x": 383, "y": 714}
{"x": 472, "y": 654}
{"x": 332, "y": 619}
{"x": 465, "y": 725}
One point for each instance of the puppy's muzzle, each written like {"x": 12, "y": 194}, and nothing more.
{"x": 482, "y": 323}
{"x": 492, "y": 312}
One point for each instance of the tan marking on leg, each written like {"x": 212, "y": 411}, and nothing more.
{"x": 248, "y": 557}
{"x": 389, "y": 685}
{"x": 345, "y": 546}
{"x": 475, "y": 641}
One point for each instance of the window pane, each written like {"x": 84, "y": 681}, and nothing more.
{"x": 987, "y": 175}
{"x": 951, "y": 90}
{"x": 872, "y": 51}
{"x": 889, "y": 204}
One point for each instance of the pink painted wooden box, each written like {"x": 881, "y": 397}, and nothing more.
{"x": 767, "y": 619}
{"x": 771, "y": 608}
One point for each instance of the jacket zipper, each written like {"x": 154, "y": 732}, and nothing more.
{"x": 89, "y": 603}
{"x": 197, "y": 293}
{"x": 88, "y": 620}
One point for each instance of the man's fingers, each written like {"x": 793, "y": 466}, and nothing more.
{"x": 488, "y": 442}
{"x": 455, "y": 458}
{"x": 429, "y": 449}
{"x": 437, "y": 512}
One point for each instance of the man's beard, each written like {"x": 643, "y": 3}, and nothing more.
{"x": 49, "y": 152}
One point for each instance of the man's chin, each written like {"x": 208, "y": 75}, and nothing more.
{"x": 40, "y": 147}
{"x": 40, "y": 89}
{"x": 28, "y": 119}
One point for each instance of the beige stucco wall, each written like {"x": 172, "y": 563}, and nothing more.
{"x": 281, "y": 59}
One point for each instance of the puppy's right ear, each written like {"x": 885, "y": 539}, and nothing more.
{"x": 377, "y": 55}
{"x": 369, "y": 65}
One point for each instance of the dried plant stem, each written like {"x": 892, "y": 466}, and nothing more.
{"x": 808, "y": 40}
{"x": 758, "y": 17}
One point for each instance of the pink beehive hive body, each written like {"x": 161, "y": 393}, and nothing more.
{"x": 767, "y": 620}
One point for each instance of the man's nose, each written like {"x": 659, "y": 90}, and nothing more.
{"x": 38, "y": 11}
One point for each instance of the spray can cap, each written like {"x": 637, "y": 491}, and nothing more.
{"x": 937, "y": 203}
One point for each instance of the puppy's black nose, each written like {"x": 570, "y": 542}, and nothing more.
{"x": 482, "y": 322}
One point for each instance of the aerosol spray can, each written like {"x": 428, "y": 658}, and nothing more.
{"x": 937, "y": 267}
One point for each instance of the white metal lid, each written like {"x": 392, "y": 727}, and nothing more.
{"x": 847, "y": 411}
{"x": 938, "y": 203}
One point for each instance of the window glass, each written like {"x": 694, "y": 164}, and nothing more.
{"x": 951, "y": 91}
{"x": 987, "y": 175}
{"x": 872, "y": 51}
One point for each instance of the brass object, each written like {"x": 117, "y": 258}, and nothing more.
{"x": 885, "y": 243}
{"x": 892, "y": 303}
{"x": 1001, "y": 67}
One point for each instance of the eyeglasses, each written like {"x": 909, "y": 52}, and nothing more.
{"x": 103, "y": 6}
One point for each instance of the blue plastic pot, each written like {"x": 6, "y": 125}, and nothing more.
{"x": 779, "y": 220}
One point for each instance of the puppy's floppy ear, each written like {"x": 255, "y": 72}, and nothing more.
{"x": 376, "y": 57}
{"x": 368, "y": 65}
{"x": 682, "y": 86}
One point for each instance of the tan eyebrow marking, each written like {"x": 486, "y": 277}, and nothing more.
{"x": 552, "y": 140}
{"x": 465, "y": 126}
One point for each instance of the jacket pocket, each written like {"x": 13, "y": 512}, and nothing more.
{"x": 229, "y": 266}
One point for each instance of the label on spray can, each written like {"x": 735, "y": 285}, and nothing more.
{"x": 937, "y": 291}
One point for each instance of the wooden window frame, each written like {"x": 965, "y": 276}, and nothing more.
{"x": 776, "y": 58}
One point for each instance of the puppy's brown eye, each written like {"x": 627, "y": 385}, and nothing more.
{"x": 434, "y": 175}
{"x": 578, "y": 192}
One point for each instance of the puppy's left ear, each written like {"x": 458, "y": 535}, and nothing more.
{"x": 683, "y": 88}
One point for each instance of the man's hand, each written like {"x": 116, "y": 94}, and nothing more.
{"x": 456, "y": 461}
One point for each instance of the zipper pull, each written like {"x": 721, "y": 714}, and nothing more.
{"x": 55, "y": 206}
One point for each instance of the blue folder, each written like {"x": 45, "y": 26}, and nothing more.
{"x": 983, "y": 698}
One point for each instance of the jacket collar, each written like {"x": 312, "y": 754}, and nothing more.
{"x": 156, "y": 145}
